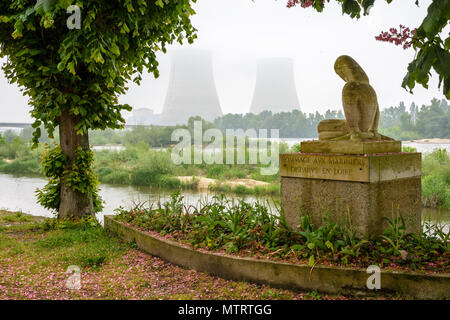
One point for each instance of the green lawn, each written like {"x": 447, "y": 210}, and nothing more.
{"x": 36, "y": 252}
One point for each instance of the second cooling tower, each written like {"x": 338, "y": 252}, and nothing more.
{"x": 275, "y": 86}
{"x": 192, "y": 91}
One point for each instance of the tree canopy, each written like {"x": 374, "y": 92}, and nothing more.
{"x": 85, "y": 70}
{"x": 73, "y": 77}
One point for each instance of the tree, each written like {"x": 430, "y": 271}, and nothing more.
{"x": 413, "y": 110}
{"x": 73, "y": 77}
{"x": 432, "y": 50}
{"x": 433, "y": 121}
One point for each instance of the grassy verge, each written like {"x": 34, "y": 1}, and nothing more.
{"x": 436, "y": 180}
{"x": 272, "y": 189}
{"x": 251, "y": 229}
{"x": 35, "y": 254}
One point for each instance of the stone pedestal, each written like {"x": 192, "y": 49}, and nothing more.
{"x": 368, "y": 187}
{"x": 351, "y": 147}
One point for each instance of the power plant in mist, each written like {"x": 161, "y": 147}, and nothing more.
{"x": 192, "y": 90}
{"x": 275, "y": 86}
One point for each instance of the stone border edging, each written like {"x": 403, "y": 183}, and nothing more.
{"x": 284, "y": 275}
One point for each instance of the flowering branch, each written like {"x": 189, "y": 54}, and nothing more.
{"x": 304, "y": 3}
{"x": 404, "y": 36}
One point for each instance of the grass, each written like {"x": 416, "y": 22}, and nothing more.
{"x": 436, "y": 179}
{"x": 35, "y": 254}
{"x": 270, "y": 190}
{"x": 16, "y": 217}
{"x": 28, "y": 167}
{"x": 254, "y": 229}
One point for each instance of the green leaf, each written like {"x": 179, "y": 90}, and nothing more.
{"x": 437, "y": 18}
{"x": 447, "y": 43}
{"x": 442, "y": 63}
{"x": 43, "y": 6}
{"x": 447, "y": 87}
{"x": 71, "y": 67}
{"x": 115, "y": 49}
{"x": 311, "y": 261}
{"x": 61, "y": 66}
{"x": 367, "y": 4}
{"x": 65, "y": 3}
{"x": 352, "y": 8}
{"x": 297, "y": 247}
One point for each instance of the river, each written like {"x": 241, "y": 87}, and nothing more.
{"x": 421, "y": 147}
{"x": 18, "y": 194}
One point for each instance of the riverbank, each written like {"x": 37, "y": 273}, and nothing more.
{"x": 37, "y": 252}
{"x": 141, "y": 166}
{"x": 433, "y": 141}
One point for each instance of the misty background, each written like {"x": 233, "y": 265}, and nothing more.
{"x": 239, "y": 32}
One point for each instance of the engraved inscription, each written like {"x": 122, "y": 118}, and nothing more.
{"x": 331, "y": 167}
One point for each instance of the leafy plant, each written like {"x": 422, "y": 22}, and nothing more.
{"x": 78, "y": 174}
{"x": 247, "y": 228}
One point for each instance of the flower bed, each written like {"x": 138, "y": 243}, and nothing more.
{"x": 333, "y": 280}
{"x": 252, "y": 230}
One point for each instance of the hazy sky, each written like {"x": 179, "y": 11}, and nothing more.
{"x": 238, "y": 32}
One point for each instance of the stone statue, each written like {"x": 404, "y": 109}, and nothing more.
{"x": 360, "y": 107}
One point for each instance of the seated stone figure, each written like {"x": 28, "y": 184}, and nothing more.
{"x": 360, "y": 106}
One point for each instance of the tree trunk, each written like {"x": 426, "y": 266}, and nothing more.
{"x": 73, "y": 203}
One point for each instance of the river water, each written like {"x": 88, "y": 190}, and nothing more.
{"x": 421, "y": 147}
{"x": 18, "y": 194}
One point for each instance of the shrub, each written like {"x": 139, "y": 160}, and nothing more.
{"x": 102, "y": 172}
{"x": 296, "y": 148}
{"x": 435, "y": 192}
{"x": 235, "y": 172}
{"x": 216, "y": 171}
{"x": 26, "y": 167}
{"x": 240, "y": 189}
{"x": 409, "y": 149}
{"x": 165, "y": 181}
{"x": 118, "y": 176}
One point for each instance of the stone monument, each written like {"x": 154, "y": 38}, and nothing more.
{"x": 352, "y": 171}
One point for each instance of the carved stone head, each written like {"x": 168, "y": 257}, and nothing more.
{"x": 349, "y": 70}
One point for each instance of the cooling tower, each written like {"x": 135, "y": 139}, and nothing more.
{"x": 192, "y": 91}
{"x": 275, "y": 86}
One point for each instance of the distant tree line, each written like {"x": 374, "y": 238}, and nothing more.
{"x": 294, "y": 124}
{"x": 430, "y": 121}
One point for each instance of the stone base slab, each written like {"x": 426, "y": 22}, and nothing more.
{"x": 366, "y": 203}
{"x": 367, "y": 188}
{"x": 351, "y": 147}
